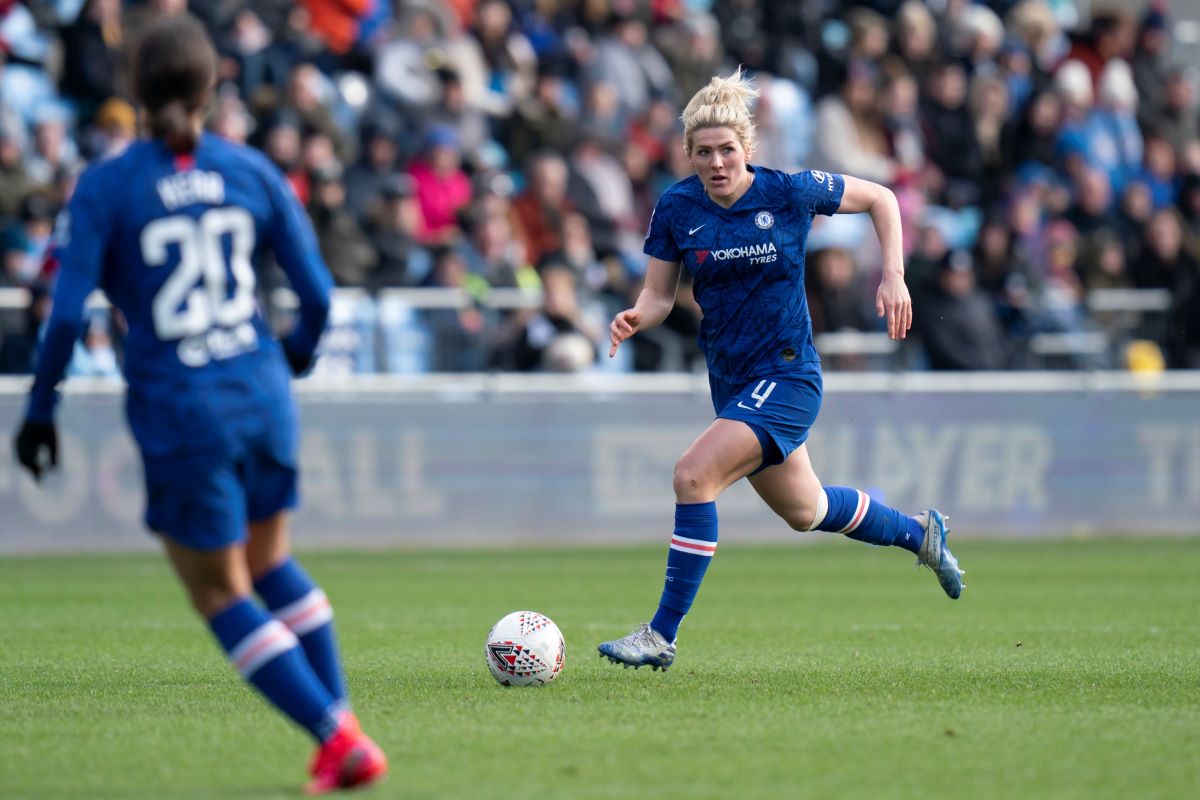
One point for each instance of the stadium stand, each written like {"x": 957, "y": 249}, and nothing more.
{"x": 480, "y": 172}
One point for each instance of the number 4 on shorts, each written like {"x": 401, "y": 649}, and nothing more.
{"x": 759, "y": 394}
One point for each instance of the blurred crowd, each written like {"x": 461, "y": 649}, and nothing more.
{"x": 512, "y": 150}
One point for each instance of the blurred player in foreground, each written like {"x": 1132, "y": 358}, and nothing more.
{"x": 741, "y": 230}
{"x": 172, "y": 230}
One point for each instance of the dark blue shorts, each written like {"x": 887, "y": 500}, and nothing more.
{"x": 779, "y": 409}
{"x": 221, "y": 468}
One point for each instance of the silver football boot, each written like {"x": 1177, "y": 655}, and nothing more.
{"x": 936, "y": 555}
{"x": 644, "y": 646}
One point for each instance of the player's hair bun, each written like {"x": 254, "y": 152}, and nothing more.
{"x": 723, "y": 103}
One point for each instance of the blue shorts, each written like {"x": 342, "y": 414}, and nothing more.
{"x": 780, "y": 409}
{"x": 224, "y": 470}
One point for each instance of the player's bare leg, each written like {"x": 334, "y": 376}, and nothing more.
{"x": 794, "y": 492}
{"x": 727, "y": 451}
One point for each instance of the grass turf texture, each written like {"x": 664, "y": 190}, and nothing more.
{"x": 1069, "y": 669}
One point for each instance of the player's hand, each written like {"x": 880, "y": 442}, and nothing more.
{"x": 36, "y": 447}
{"x": 299, "y": 363}
{"x": 623, "y": 326}
{"x": 893, "y": 300}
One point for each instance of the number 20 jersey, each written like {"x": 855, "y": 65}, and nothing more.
{"x": 175, "y": 242}
{"x": 747, "y": 262}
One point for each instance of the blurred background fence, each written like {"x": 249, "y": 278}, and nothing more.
{"x": 500, "y": 459}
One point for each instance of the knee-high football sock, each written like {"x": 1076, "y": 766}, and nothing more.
{"x": 267, "y": 655}
{"x": 692, "y": 547}
{"x": 301, "y": 605}
{"x": 852, "y": 512}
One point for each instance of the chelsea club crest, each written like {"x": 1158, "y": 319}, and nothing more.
{"x": 764, "y": 220}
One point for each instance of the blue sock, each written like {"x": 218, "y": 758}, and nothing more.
{"x": 853, "y": 513}
{"x": 267, "y": 655}
{"x": 301, "y": 605}
{"x": 692, "y": 547}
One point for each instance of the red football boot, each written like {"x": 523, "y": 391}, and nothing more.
{"x": 347, "y": 760}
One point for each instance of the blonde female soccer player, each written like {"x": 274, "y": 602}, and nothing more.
{"x": 741, "y": 230}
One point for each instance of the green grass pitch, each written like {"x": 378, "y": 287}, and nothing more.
{"x": 1068, "y": 669}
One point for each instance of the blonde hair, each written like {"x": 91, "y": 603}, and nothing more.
{"x": 723, "y": 103}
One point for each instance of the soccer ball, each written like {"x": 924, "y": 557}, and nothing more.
{"x": 525, "y": 649}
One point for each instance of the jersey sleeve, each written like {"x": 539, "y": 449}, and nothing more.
{"x": 819, "y": 192}
{"x": 660, "y": 242}
{"x": 81, "y": 239}
{"x": 290, "y": 236}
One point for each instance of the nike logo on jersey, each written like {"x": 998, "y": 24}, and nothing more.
{"x": 748, "y": 408}
{"x": 693, "y": 230}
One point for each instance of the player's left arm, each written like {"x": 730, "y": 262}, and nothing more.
{"x": 892, "y": 298}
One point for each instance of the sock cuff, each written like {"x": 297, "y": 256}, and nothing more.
{"x": 285, "y": 583}
{"x": 696, "y": 513}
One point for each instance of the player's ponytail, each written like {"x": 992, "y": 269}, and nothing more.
{"x": 173, "y": 124}
{"x": 175, "y": 68}
{"x": 723, "y": 103}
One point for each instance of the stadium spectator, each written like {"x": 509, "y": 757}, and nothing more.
{"x": 837, "y": 298}
{"x": 1163, "y": 262}
{"x": 14, "y": 177}
{"x": 1176, "y": 118}
{"x": 442, "y": 186}
{"x": 378, "y": 159}
{"x": 1183, "y": 338}
{"x": 956, "y": 321}
{"x": 850, "y": 137}
{"x": 459, "y": 335}
{"x": 950, "y": 134}
{"x": 392, "y": 226}
{"x": 94, "y": 62}
{"x": 344, "y": 246}
{"x": 539, "y": 210}
{"x": 560, "y": 317}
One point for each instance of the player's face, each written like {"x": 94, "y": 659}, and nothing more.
{"x": 720, "y": 160}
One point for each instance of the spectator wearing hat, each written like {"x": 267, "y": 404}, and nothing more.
{"x": 1150, "y": 59}
{"x": 366, "y": 177}
{"x": 442, "y": 187}
{"x": 957, "y": 321}
{"x": 393, "y": 225}
{"x": 344, "y": 245}
{"x": 113, "y": 129}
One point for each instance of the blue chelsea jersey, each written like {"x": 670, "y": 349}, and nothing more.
{"x": 175, "y": 242}
{"x": 748, "y": 267}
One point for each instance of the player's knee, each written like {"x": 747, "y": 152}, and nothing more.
{"x": 692, "y": 484}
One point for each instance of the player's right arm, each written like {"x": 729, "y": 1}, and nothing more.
{"x": 80, "y": 241}
{"x": 290, "y": 236}
{"x": 654, "y": 303}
